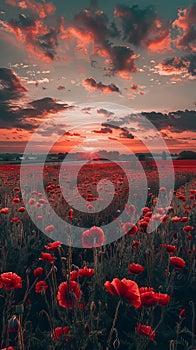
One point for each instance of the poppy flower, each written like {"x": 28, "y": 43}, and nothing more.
{"x": 146, "y": 330}
{"x": 135, "y": 268}
{"x": 53, "y": 245}
{"x": 86, "y": 272}
{"x": 10, "y": 281}
{"x": 188, "y": 228}
{"x": 170, "y": 248}
{"x": 73, "y": 275}
{"x": 94, "y": 237}
{"x": 162, "y": 299}
{"x": 69, "y": 294}
{"x": 59, "y": 333}
{"x": 48, "y": 257}
{"x": 38, "y": 272}
{"x": 4, "y": 211}
{"x": 49, "y": 228}
{"x": 9, "y": 348}
{"x": 184, "y": 219}
{"x": 127, "y": 289}
{"x": 179, "y": 263}
{"x": 21, "y": 210}
{"x": 129, "y": 228}
{"x": 31, "y": 201}
{"x": 16, "y": 200}
{"x": 15, "y": 220}
{"x": 148, "y": 298}
{"x": 41, "y": 287}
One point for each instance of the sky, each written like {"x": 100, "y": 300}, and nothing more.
{"x": 82, "y": 75}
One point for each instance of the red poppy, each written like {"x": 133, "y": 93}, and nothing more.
{"x": 41, "y": 287}
{"x": 179, "y": 263}
{"x": 48, "y": 257}
{"x": 9, "y": 348}
{"x": 53, "y": 245}
{"x": 184, "y": 219}
{"x": 135, "y": 268}
{"x": 129, "y": 228}
{"x": 21, "y": 209}
{"x": 188, "y": 228}
{"x": 15, "y": 220}
{"x": 73, "y": 275}
{"x": 59, "y": 334}
{"x": 148, "y": 298}
{"x": 86, "y": 272}
{"x": 69, "y": 294}
{"x": 4, "y": 211}
{"x": 38, "y": 272}
{"x": 49, "y": 228}
{"x": 94, "y": 237}
{"x": 170, "y": 248}
{"x": 127, "y": 289}
{"x": 16, "y": 200}
{"x": 146, "y": 330}
{"x": 162, "y": 299}
{"x": 10, "y": 281}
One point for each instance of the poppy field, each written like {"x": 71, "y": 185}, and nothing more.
{"x": 134, "y": 291}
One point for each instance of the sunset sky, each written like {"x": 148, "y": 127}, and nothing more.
{"x": 101, "y": 68}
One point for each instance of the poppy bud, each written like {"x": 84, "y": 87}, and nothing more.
{"x": 13, "y": 324}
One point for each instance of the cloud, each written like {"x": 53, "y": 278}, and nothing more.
{"x": 142, "y": 27}
{"x": 42, "y": 8}
{"x": 14, "y": 113}
{"x": 93, "y": 33}
{"x": 185, "y": 66}
{"x": 105, "y": 112}
{"x": 105, "y": 130}
{"x": 38, "y": 38}
{"x": 176, "y": 122}
{"x": 10, "y": 85}
{"x": 186, "y": 25}
{"x": 91, "y": 84}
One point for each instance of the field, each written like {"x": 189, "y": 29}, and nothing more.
{"x": 127, "y": 279}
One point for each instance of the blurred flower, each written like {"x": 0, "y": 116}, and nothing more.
{"x": 69, "y": 294}
{"x": 49, "y": 228}
{"x": 21, "y": 210}
{"x": 38, "y": 271}
{"x": 48, "y": 257}
{"x": 135, "y": 268}
{"x": 146, "y": 330}
{"x": 129, "y": 228}
{"x": 94, "y": 237}
{"x": 86, "y": 272}
{"x": 10, "y": 281}
{"x": 41, "y": 287}
{"x": 188, "y": 228}
{"x": 179, "y": 263}
{"x": 59, "y": 334}
{"x": 170, "y": 248}
{"x": 53, "y": 245}
{"x": 4, "y": 211}
{"x": 127, "y": 289}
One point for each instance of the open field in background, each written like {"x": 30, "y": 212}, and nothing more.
{"x": 58, "y": 297}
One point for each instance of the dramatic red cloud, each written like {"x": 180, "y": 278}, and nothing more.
{"x": 37, "y": 37}
{"x": 42, "y": 9}
{"x": 186, "y": 24}
{"x": 141, "y": 27}
{"x": 178, "y": 66}
{"x": 91, "y": 84}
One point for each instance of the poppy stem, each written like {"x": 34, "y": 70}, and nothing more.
{"x": 113, "y": 325}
